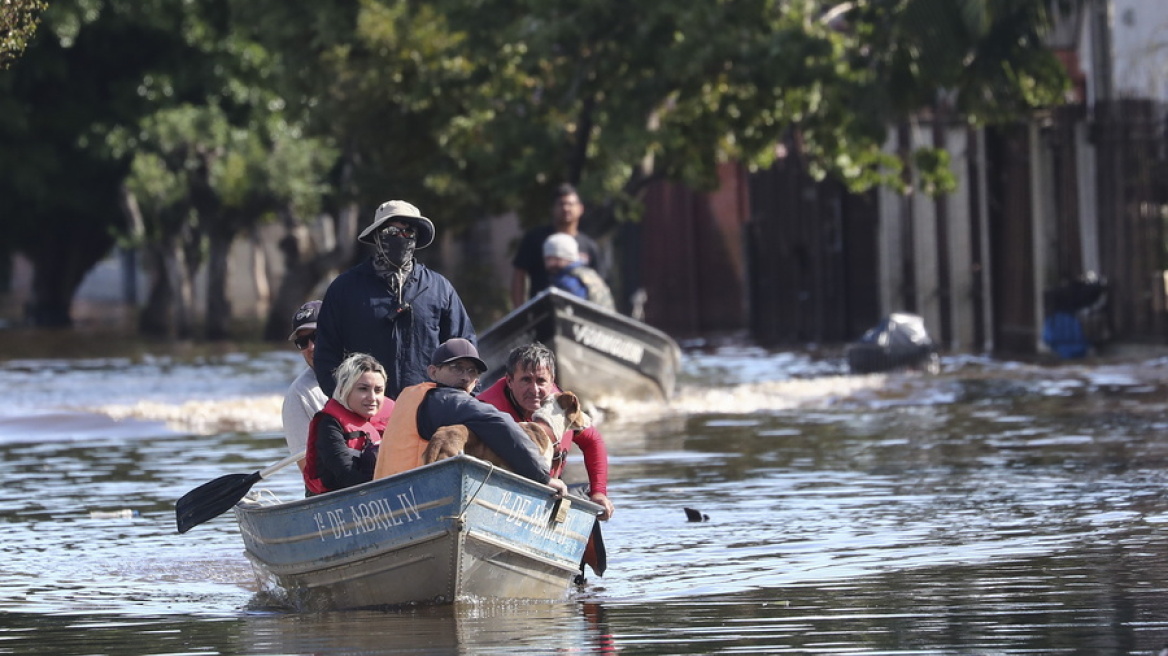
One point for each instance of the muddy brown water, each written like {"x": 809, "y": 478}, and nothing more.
{"x": 996, "y": 508}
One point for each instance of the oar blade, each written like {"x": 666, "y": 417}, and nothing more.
{"x": 595, "y": 554}
{"x": 212, "y": 499}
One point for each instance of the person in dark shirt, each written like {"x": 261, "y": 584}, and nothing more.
{"x": 529, "y": 277}
{"x": 389, "y": 306}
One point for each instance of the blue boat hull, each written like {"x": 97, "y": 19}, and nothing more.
{"x": 455, "y": 529}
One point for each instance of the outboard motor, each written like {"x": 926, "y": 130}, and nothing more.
{"x": 899, "y": 341}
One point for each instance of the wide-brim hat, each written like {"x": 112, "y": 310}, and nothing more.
{"x": 457, "y": 349}
{"x": 404, "y": 212}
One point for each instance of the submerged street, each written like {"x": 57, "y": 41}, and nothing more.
{"x": 997, "y": 507}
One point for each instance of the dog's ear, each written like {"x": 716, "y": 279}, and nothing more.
{"x": 581, "y": 421}
{"x": 577, "y": 418}
{"x": 568, "y": 401}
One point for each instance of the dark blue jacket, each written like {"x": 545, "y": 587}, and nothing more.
{"x": 360, "y": 316}
{"x": 447, "y": 406}
{"x": 568, "y": 281}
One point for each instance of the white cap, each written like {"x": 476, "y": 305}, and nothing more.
{"x": 563, "y": 246}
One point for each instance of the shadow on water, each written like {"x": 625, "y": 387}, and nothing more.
{"x": 993, "y": 509}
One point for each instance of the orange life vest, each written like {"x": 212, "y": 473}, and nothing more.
{"x": 401, "y": 444}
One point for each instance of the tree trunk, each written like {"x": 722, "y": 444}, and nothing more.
{"x": 186, "y": 269}
{"x": 167, "y": 312}
{"x": 157, "y": 316}
{"x": 259, "y": 271}
{"x": 52, "y": 297}
{"x": 60, "y": 263}
{"x": 218, "y": 319}
{"x": 305, "y": 269}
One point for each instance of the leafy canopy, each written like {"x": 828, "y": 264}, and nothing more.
{"x": 18, "y": 23}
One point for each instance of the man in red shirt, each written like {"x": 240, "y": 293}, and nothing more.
{"x": 530, "y": 380}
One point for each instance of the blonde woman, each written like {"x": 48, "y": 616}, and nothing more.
{"x": 342, "y": 439}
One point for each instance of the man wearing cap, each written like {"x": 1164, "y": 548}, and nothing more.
{"x": 304, "y": 398}
{"x": 390, "y": 306}
{"x": 422, "y": 409}
{"x": 528, "y": 261}
{"x": 561, "y": 258}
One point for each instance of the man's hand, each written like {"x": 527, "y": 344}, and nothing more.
{"x": 559, "y": 486}
{"x": 603, "y": 502}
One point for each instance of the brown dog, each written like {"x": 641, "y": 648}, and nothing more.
{"x": 450, "y": 441}
{"x": 558, "y": 414}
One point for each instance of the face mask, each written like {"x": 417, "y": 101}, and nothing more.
{"x": 398, "y": 250}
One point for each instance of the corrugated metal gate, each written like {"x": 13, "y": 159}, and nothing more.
{"x": 689, "y": 258}
{"x": 795, "y": 260}
{"x": 1133, "y": 198}
{"x": 1011, "y": 240}
{"x": 812, "y": 253}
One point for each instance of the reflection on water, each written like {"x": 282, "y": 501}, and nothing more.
{"x": 483, "y": 628}
{"x": 996, "y": 508}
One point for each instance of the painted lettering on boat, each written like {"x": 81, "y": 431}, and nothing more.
{"x": 608, "y": 342}
{"x": 531, "y": 517}
{"x": 366, "y": 517}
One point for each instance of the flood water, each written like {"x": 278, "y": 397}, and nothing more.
{"x": 995, "y": 508}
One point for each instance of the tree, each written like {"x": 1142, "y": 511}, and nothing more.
{"x": 371, "y": 77}
{"x": 174, "y": 83}
{"x": 374, "y": 78}
{"x": 18, "y": 22}
{"x": 196, "y": 182}
{"x": 80, "y": 75}
{"x": 471, "y": 108}
{"x": 613, "y": 96}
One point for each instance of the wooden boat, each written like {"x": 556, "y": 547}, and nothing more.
{"x": 456, "y": 529}
{"x": 599, "y": 353}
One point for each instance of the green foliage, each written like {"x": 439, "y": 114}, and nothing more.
{"x": 485, "y": 106}
{"x": 171, "y": 95}
{"x": 225, "y": 112}
{"x": 612, "y": 96}
{"x": 18, "y": 23}
{"x": 933, "y": 165}
{"x": 987, "y": 56}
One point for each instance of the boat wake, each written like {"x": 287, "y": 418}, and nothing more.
{"x": 116, "y": 400}
{"x": 744, "y": 398}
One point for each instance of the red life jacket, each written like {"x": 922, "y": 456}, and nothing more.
{"x": 358, "y": 432}
{"x": 499, "y": 396}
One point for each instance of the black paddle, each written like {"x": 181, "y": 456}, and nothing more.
{"x": 216, "y": 497}
{"x": 601, "y": 554}
{"x": 595, "y": 555}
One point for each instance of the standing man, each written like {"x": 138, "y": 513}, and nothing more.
{"x": 530, "y": 380}
{"x": 390, "y": 306}
{"x": 528, "y": 261}
{"x": 303, "y": 398}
